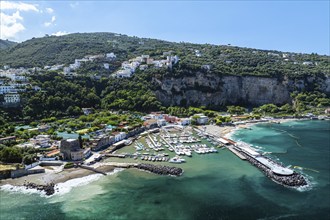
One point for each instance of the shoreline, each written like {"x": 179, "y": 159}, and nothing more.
{"x": 66, "y": 175}
{"x": 52, "y": 177}
{"x": 227, "y": 131}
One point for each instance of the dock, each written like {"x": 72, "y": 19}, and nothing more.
{"x": 236, "y": 153}
{"x": 115, "y": 155}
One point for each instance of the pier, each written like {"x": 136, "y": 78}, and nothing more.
{"x": 115, "y": 155}
{"x": 231, "y": 148}
{"x": 275, "y": 171}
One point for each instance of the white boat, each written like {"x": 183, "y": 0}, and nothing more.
{"x": 177, "y": 160}
{"x": 187, "y": 152}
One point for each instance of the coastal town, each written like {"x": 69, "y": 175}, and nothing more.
{"x": 159, "y": 145}
{"x": 98, "y": 140}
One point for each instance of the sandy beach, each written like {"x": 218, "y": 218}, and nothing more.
{"x": 227, "y": 131}
{"x": 50, "y": 176}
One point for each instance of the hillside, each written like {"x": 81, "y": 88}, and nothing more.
{"x": 4, "y": 44}
{"x": 206, "y": 75}
{"x": 222, "y": 60}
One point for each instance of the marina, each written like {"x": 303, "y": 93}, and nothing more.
{"x": 170, "y": 145}
{"x": 173, "y": 144}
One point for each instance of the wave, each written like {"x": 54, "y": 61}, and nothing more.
{"x": 66, "y": 187}
{"x": 21, "y": 189}
{"x": 60, "y": 188}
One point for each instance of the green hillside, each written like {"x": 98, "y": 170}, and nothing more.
{"x": 6, "y": 44}
{"x": 206, "y": 76}
{"x": 223, "y": 60}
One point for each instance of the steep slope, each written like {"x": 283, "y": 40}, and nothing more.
{"x": 4, "y": 44}
{"x": 213, "y": 91}
{"x": 208, "y": 75}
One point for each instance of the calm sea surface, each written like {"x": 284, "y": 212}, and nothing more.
{"x": 214, "y": 186}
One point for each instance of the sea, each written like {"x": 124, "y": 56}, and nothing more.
{"x": 213, "y": 186}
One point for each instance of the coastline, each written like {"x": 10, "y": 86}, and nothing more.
{"x": 67, "y": 175}
{"x": 229, "y": 130}
{"x": 52, "y": 177}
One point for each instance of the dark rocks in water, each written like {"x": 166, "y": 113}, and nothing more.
{"x": 48, "y": 188}
{"x": 294, "y": 180}
{"x": 162, "y": 170}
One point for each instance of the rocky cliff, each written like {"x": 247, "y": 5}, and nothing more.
{"x": 210, "y": 90}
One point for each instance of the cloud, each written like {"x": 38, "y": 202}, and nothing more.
{"x": 19, "y": 6}
{"x": 74, "y": 5}
{"x": 60, "y": 33}
{"x": 49, "y": 10}
{"x": 10, "y": 25}
{"x": 47, "y": 24}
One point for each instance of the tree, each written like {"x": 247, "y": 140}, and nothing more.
{"x": 237, "y": 110}
{"x": 11, "y": 155}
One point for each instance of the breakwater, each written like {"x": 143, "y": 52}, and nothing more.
{"x": 161, "y": 170}
{"x": 293, "y": 180}
{"x": 48, "y": 188}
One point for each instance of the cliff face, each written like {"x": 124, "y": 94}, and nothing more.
{"x": 211, "y": 90}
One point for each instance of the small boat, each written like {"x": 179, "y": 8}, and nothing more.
{"x": 177, "y": 160}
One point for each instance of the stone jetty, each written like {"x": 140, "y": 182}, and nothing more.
{"x": 294, "y": 180}
{"x": 48, "y": 188}
{"x": 161, "y": 170}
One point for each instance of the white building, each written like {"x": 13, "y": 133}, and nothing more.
{"x": 106, "y": 65}
{"x": 143, "y": 67}
{"x": 185, "y": 121}
{"x": 66, "y": 70}
{"x": 308, "y": 63}
{"x": 119, "y": 136}
{"x": 124, "y": 73}
{"x": 41, "y": 141}
{"x": 145, "y": 56}
{"x": 12, "y": 98}
{"x": 7, "y": 89}
{"x": 55, "y": 67}
{"x": 201, "y": 119}
{"x": 110, "y": 56}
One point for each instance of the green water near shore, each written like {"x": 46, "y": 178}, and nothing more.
{"x": 214, "y": 186}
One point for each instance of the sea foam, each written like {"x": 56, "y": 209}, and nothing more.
{"x": 66, "y": 187}
{"x": 60, "y": 188}
{"x": 21, "y": 189}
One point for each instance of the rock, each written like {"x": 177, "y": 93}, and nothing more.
{"x": 48, "y": 188}
{"x": 294, "y": 180}
{"x": 161, "y": 170}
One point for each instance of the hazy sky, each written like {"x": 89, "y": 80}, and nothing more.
{"x": 294, "y": 26}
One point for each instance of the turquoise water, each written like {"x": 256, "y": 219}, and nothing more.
{"x": 214, "y": 186}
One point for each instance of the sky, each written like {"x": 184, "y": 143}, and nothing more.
{"x": 290, "y": 26}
